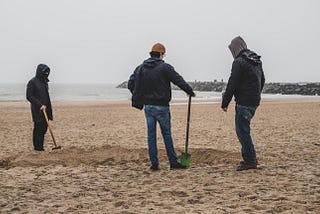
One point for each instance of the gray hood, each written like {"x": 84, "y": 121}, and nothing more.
{"x": 236, "y": 46}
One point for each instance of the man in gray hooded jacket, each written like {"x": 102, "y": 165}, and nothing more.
{"x": 245, "y": 84}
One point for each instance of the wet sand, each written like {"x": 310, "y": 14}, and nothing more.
{"x": 103, "y": 166}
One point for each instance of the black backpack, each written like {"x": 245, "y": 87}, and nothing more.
{"x": 137, "y": 100}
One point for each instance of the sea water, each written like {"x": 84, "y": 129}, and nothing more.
{"x": 91, "y": 92}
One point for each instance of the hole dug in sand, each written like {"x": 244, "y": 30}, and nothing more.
{"x": 111, "y": 155}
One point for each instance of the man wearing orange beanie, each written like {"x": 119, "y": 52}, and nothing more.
{"x": 150, "y": 88}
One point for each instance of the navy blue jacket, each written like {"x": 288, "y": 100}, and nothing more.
{"x": 150, "y": 83}
{"x": 246, "y": 80}
{"x": 38, "y": 94}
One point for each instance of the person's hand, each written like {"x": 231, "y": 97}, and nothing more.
{"x": 43, "y": 107}
{"x": 193, "y": 94}
{"x": 225, "y": 109}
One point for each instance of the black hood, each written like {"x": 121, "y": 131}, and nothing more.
{"x": 152, "y": 62}
{"x": 250, "y": 56}
{"x": 43, "y": 72}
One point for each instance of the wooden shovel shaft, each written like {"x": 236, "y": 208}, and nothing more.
{"x": 47, "y": 120}
{"x": 188, "y": 125}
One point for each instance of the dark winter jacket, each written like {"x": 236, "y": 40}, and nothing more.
{"x": 150, "y": 83}
{"x": 38, "y": 94}
{"x": 246, "y": 80}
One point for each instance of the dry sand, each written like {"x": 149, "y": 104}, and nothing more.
{"x": 103, "y": 166}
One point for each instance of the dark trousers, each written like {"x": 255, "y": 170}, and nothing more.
{"x": 39, "y": 130}
{"x": 243, "y": 118}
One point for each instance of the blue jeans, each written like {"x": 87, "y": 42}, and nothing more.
{"x": 162, "y": 115}
{"x": 244, "y": 114}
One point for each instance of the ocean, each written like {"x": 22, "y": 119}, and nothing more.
{"x": 90, "y": 92}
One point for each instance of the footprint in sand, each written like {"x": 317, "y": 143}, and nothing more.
{"x": 122, "y": 204}
{"x": 173, "y": 193}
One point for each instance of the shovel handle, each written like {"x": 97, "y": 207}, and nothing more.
{"x": 188, "y": 125}
{"x": 49, "y": 126}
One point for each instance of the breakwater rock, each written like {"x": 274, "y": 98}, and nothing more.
{"x": 292, "y": 88}
{"x": 269, "y": 88}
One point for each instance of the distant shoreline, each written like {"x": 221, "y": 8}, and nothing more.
{"x": 198, "y": 100}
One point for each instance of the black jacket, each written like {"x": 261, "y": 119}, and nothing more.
{"x": 246, "y": 80}
{"x": 38, "y": 94}
{"x": 150, "y": 83}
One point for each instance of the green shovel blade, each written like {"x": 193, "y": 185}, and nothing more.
{"x": 185, "y": 159}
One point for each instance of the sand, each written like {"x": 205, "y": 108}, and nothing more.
{"x": 103, "y": 166}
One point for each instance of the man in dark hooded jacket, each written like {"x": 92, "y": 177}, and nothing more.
{"x": 38, "y": 96}
{"x": 245, "y": 84}
{"x": 150, "y": 87}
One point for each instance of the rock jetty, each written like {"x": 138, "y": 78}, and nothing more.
{"x": 269, "y": 88}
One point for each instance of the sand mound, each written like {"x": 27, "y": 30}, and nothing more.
{"x": 109, "y": 155}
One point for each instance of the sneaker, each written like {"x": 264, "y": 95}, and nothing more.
{"x": 154, "y": 167}
{"x": 242, "y": 162}
{"x": 246, "y": 166}
{"x": 177, "y": 166}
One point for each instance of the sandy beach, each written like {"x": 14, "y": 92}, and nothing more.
{"x": 103, "y": 165}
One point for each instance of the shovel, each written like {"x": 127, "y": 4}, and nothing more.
{"x": 185, "y": 157}
{"x": 54, "y": 141}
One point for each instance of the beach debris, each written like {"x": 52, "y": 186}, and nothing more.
{"x": 4, "y": 164}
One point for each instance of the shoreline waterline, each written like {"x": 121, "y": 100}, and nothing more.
{"x": 109, "y": 92}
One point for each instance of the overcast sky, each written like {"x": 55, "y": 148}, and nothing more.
{"x": 88, "y": 41}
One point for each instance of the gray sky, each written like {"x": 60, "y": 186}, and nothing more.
{"x": 88, "y": 41}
